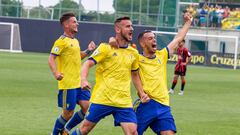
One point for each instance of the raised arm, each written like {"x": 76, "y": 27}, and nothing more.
{"x": 181, "y": 34}
{"x": 91, "y": 47}
{"x": 138, "y": 85}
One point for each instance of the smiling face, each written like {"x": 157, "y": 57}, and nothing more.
{"x": 148, "y": 43}
{"x": 124, "y": 29}
{"x": 71, "y": 25}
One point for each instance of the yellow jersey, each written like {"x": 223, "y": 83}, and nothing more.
{"x": 113, "y": 75}
{"x": 68, "y": 61}
{"x": 153, "y": 73}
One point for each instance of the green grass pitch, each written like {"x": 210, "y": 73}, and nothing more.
{"x": 28, "y": 98}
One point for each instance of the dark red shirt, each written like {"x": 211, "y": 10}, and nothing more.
{"x": 182, "y": 53}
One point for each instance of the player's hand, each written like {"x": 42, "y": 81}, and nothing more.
{"x": 144, "y": 98}
{"x": 183, "y": 63}
{"x": 187, "y": 17}
{"x": 85, "y": 84}
{"x": 91, "y": 46}
{"x": 58, "y": 76}
{"x": 113, "y": 42}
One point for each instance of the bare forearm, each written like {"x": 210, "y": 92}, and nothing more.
{"x": 181, "y": 35}
{"x": 188, "y": 60}
{"x": 52, "y": 64}
{"x": 137, "y": 82}
{"x": 89, "y": 50}
{"x": 85, "y": 69}
{"x": 138, "y": 85}
{"x": 83, "y": 54}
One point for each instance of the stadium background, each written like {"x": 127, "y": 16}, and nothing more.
{"x": 28, "y": 90}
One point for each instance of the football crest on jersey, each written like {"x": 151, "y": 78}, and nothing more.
{"x": 56, "y": 49}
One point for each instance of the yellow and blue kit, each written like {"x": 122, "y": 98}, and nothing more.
{"x": 111, "y": 93}
{"x": 155, "y": 114}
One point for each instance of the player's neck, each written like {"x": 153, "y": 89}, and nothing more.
{"x": 121, "y": 42}
{"x": 68, "y": 34}
{"x": 149, "y": 55}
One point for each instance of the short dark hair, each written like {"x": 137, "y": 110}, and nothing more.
{"x": 121, "y": 18}
{"x": 66, "y": 16}
{"x": 140, "y": 36}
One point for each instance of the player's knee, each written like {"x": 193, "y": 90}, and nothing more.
{"x": 183, "y": 81}
{"x": 167, "y": 132}
{"x": 133, "y": 131}
{"x": 84, "y": 106}
{"x": 175, "y": 81}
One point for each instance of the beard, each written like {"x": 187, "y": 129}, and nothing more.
{"x": 125, "y": 37}
{"x": 73, "y": 31}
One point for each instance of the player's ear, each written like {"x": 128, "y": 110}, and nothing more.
{"x": 141, "y": 43}
{"x": 65, "y": 24}
{"x": 117, "y": 28}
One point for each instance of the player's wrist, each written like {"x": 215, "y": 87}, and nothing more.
{"x": 88, "y": 52}
{"x": 83, "y": 79}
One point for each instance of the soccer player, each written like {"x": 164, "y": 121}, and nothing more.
{"x": 111, "y": 93}
{"x": 65, "y": 64}
{"x": 184, "y": 56}
{"x": 156, "y": 114}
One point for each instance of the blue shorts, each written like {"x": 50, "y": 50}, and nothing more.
{"x": 155, "y": 115}
{"x": 67, "y": 99}
{"x": 96, "y": 112}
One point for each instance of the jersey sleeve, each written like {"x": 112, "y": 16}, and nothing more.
{"x": 58, "y": 47}
{"x": 164, "y": 53}
{"x": 189, "y": 54}
{"x": 100, "y": 53}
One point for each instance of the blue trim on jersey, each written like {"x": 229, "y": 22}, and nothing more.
{"x": 147, "y": 57}
{"x": 96, "y": 112}
{"x": 135, "y": 70}
{"x": 54, "y": 54}
{"x": 90, "y": 58}
{"x": 126, "y": 46}
{"x": 168, "y": 52}
{"x": 67, "y": 36}
{"x": 158, "y": 119}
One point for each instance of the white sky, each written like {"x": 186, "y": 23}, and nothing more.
{"x": 104, "y": 5}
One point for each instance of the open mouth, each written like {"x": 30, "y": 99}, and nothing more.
{"x": 130, "y": 34}
{"x": 154, "y": 46}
